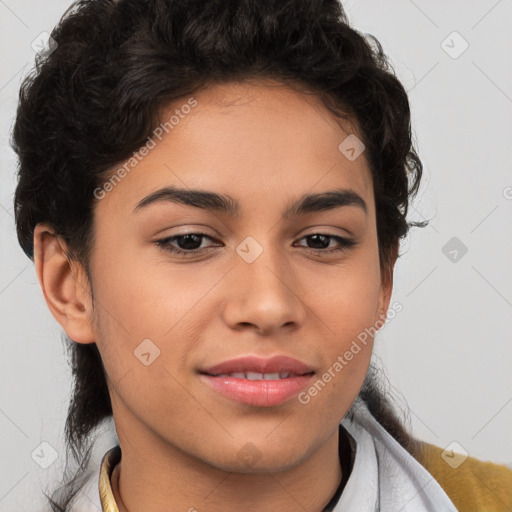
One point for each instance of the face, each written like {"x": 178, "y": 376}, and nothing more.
{"x": 267, "y": 280}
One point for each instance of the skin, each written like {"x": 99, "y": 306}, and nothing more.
{"x": 265, "y": 146}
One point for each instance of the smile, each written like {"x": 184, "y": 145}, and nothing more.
{"x": 258, "y": 381}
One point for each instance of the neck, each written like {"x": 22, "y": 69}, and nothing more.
{"x": 181, "y": 485}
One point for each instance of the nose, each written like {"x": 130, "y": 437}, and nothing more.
{"x": 264, "y": 295}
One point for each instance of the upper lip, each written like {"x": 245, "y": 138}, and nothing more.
{"x": 273, "y": 364}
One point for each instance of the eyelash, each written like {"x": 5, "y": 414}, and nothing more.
{"x": 165, "y": 244}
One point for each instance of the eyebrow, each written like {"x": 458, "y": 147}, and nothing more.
{"x": 223, "y": 203}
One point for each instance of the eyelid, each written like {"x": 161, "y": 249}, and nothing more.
{"x": 343, "y": 244}
{"x": 328, "y": 230}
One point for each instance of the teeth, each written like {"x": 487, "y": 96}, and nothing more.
{"x": 257, "y": 375}
{"x": 254, "y": 376}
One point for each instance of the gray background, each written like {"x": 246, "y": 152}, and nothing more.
{"x": 448, "y": 353}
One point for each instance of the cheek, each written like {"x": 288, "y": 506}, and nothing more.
{"x": 346, "y": 299}
{"x": 347, "y": 305}
{"x": 147, "y": 297}
{"x": 149, "y": 308}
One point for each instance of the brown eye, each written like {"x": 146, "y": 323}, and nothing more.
{"x": 321, "y": 241}
{"x": 188, "y": 244}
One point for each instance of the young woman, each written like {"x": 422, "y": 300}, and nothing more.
{"x": 213, "y": 194}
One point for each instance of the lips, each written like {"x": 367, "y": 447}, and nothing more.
{"x": 251, "y": 366}
{"x": 257, "y": 381}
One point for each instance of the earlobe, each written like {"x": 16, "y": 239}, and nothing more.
{"x": 64, "y": 285}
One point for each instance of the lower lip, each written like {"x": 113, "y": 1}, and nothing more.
{"x": 260, "y": 393}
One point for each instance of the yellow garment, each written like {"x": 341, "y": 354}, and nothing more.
{"x": 474, "y": 486}
{"x": 110, "y": 459}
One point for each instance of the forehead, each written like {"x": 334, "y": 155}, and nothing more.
{"x": 257, "y": 142}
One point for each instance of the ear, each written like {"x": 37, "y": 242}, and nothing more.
{"x": 64, "y": 284}
{"x": 386, "y": 287}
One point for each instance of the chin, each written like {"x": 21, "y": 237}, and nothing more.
{"x": 257, "y": 458}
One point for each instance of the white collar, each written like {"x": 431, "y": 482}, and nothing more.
{"x": 385, "y": 477}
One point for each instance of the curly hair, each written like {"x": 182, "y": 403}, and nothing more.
{"x": 93, "y": 100}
